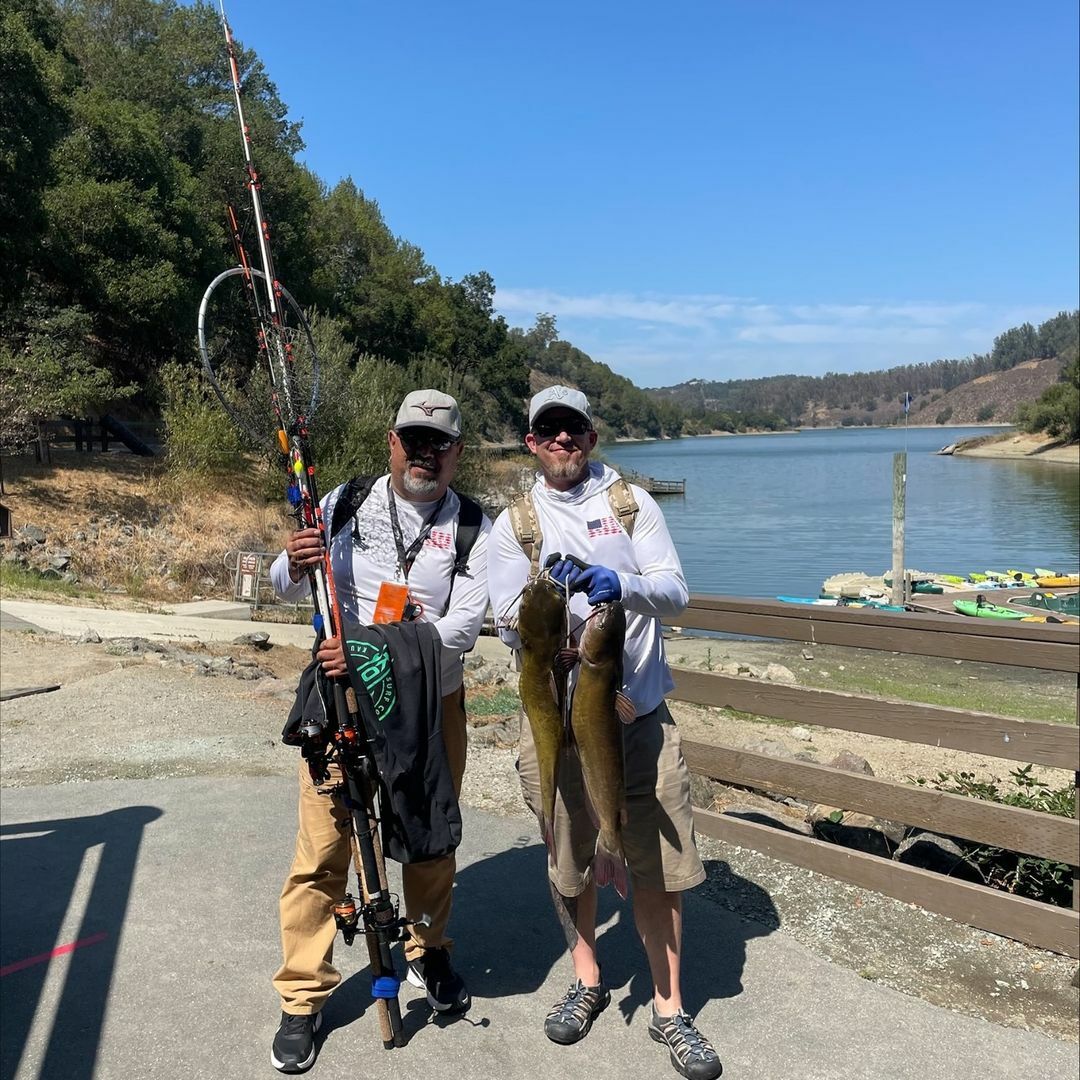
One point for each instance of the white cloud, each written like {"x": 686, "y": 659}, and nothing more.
{"x": 657, "y": 339}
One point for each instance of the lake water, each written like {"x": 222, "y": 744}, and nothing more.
{"x": 771, "y": 514}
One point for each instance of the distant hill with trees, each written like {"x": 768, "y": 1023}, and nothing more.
{"x": 877, "y": 397}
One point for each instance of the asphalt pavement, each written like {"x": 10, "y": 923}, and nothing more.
{"x": 138, "y": 937}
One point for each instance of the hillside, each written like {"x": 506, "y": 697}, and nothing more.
{"x": 995, "y": 396}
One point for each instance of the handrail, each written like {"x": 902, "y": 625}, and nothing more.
{"x": 1027, "y": 645}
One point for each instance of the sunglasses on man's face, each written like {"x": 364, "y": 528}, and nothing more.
{"x": 417, "y": 442}
{"x": 572, "y": 425}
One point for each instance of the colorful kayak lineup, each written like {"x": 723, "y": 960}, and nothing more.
{"x": 864, "y": 591}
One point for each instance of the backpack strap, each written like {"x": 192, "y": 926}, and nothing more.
{"x": 349, "y": 501}
{"x": 526, "y": 529}
{"x": 470, "y": 518}
{"x": 623, "y": 504}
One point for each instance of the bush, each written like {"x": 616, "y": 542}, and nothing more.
{"x": 944, "y": 416}
{"x": 1025, "y": 875}
{"x": 1057, "y": 412}
{"x": 984, "y": 414}
{"x": 200, "y": 439}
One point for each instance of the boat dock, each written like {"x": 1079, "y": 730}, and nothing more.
{"x": 654, "y": 486}
{"x": 942, "y": 604}
{"x": 661, "y": 487}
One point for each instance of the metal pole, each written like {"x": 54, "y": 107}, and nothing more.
{"x": 899, "y": 507}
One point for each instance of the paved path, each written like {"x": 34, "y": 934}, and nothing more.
{"x": 72, "y": 619}
{"x": 172, "y": 885}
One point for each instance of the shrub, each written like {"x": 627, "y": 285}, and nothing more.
{"x": 1057, "y": 412}
{"x": 944, "y": 416}
{"x": 1025, "y": 875}
{"x": 200, "y": 439}
{"x": 984, "y": 414}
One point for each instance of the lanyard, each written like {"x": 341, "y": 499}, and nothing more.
{"x": 407, "y": 556}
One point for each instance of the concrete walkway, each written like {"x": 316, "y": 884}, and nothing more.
{"x": 171, "y": 888}
{"x": 72, "y": 620}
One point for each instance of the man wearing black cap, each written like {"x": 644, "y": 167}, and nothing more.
{"x": 395, "y": 559}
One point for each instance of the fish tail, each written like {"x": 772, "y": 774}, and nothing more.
{"x": 609, "y": 868}
{"x": 548, "y": 832}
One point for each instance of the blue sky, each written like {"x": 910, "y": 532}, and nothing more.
{"x": 716, "y": 190}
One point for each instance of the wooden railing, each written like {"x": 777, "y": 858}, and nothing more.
{"x": 1056, "y": 648}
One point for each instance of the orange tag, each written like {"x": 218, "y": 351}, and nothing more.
{"x": 390, "y": 605}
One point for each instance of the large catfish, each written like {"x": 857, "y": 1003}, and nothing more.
{"x": 541, "y": 625}
{"x": 599, "y": 709}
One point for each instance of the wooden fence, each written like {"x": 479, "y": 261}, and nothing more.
{"x": 1027, "y": 645}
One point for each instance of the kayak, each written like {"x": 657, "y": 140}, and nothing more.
{"x": 1059, "y": 581}
{"x": 1065, "y": 605}
{"x": 988, "y": 611}
{"x": 877, "y": 605}
{"x": 925, "y": 585}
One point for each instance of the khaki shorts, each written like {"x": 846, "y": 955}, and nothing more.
{"x": 658, "y": 837}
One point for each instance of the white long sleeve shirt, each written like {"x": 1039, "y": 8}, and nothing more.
{"x": 364, "y": 555}
{"x": 581, "y": 522}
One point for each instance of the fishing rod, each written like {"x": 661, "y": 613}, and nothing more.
{"x": 283, "y": 335}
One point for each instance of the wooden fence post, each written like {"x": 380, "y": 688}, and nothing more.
{"x": 899, "y": 508}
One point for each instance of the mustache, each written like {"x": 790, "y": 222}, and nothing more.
{"x": 424, "y": 463}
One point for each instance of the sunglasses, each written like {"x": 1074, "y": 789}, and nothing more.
{"x": 414, "y": 442}
{"x": 572, "y": 425}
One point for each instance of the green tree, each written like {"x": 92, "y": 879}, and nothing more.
{"x": 38, "y": 75}
{"x": 1057, "y": 412}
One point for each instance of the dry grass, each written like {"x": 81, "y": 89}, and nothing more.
{"x": 133, "y": 529}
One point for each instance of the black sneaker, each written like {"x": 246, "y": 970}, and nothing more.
{"x": 573, "y": 1014}
{"x": 446, "y": 991}
{"x": 294, "y": 1044}
{"x": 691, "y": 1053}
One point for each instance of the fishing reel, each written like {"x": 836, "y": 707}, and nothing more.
{"x": 352, "y": 918}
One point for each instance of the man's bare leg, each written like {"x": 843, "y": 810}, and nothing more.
{"x": 658, "y": 918}
{"x": 577, "y": 914}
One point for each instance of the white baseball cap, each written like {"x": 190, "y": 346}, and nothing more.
{"x": 559, "y": 397}
{"x": 430, "y": 409}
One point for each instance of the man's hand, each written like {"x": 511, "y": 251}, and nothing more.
{"x": 600, "y": 585}
{"x": 304, "y": 549}
{"x": 567, "y": 571}
{"x": 332, "y": 657}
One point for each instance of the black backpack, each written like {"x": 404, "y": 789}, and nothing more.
{"x": 470, "y": 518}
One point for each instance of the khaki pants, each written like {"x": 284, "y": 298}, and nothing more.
{"x": 318, "y": 878}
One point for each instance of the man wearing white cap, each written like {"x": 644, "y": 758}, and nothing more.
{"x": 621, "y": 551}
{"x": 395, "y": 553}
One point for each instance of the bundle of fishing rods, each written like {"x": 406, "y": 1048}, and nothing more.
{"x": 287, "y": 372}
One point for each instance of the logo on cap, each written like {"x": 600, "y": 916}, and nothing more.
{"x": 429, "y": 410}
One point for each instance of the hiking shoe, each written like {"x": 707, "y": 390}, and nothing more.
{"x": 446, "y": 990}
{"x": 691, "y": 1053}
{"x": 294, "y": 1044}
{"x": 573, "y": 1014}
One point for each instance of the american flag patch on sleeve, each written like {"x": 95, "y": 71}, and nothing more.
{"x": 605, "y": 526}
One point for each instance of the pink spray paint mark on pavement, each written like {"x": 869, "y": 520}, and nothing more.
{"x": 60, "y": 950}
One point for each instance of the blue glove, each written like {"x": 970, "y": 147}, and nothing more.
{"x": 600, "y": 584}
{"x": 565, "y": 573}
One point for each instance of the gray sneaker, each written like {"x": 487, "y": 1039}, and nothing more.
{"x": 572, "y": 1015}
{"x": 692, "y": 1054}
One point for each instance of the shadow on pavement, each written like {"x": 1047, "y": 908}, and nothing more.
{"x": 508, "y": 942}
{"x": 40, "y": 864}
